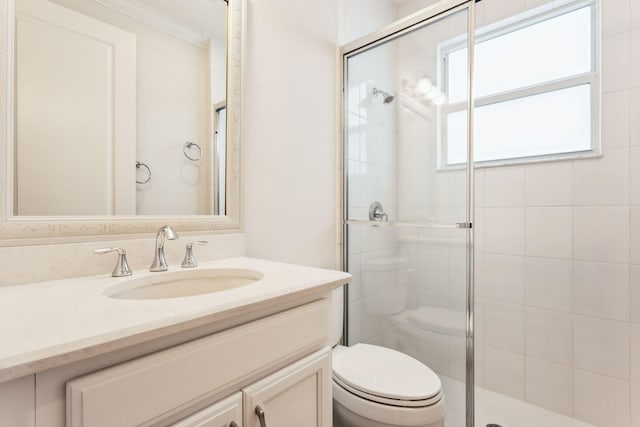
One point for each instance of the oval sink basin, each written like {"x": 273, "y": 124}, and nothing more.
{"x": 176, "y": 284}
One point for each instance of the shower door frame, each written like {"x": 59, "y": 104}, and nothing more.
{"x": 404, "y": 26}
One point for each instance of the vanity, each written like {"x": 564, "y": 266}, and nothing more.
{"x": 254, "y": 355}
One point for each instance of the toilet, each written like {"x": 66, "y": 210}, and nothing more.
{"x": 375, "y": 386}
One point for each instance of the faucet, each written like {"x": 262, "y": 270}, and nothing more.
{"x": 160, "y": 262}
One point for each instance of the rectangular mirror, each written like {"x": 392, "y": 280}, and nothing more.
{"x": 122, "y": 114}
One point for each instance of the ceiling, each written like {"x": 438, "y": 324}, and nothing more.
{"x": 203, "y": 16}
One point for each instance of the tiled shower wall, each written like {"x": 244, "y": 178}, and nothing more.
{"x": 371, "y": 156}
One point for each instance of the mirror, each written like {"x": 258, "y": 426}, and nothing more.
{"x": 120, "y": 118}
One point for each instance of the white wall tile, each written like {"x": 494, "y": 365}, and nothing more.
{"x": 479, "y": 320}
{"x": 548, "y": 283}
{"x": 479, "y": 364}
{"x": 503, "y": 278}
{"x": 634, "y": 170}
{"x": 355, "y": 320}
{"x": 600, "y": 400}
{"x": 433, "y": 268}
{"x": 601, "y": 233}
{"x": 549, "y": 385}
{"x": 635, "y": 405}
{"x": 504, "y": 231}
{"x": 603, "y": 180}
{"x": 635, "y": 353}
{"x": 479, "y": 178}
{"x": 495, "y": 11}
{"x": 615, "y": 119}
{"x": 635, "y": 13}
{"x": 433, "y": 351}
{"x": 616, "y": 63}
{"x": 634, "y": 308}
{"x": 601, "y": 346}
{"x": 634, "y": 111}
{"x": 504, "y": 326}
{"x": 549, "y": 335}
{"x": 635, "y": 234}
{"x": 549, "y": 184}
{"x": 458, "y": 271}
{"x": 548, "y": 232}
{"x": 504, "y": 372}
{"x": 370, "y": 323}
{"x": 504, "y": 186}
{"x": 458, "y": 358}
{"x": 615, "y": 16}
{"x": 479, "y": 230}
{"x": 601, "y": 289}
{"x": 635, "y": 57}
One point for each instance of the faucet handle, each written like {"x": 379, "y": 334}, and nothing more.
{"x": 122, "y": 266}
{"x": 189, "y": 260}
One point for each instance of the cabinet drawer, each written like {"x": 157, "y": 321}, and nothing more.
{"x": 154, "y": 386}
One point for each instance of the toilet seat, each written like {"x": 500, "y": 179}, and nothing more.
{"x": 364, "y": 370}
{"x": 386, "y": 401}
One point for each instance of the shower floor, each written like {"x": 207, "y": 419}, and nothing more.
{"x": 494, "y": 408}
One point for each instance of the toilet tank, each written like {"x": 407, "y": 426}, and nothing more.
{"x": 337, "y": 310}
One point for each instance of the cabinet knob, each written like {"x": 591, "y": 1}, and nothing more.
{"x": 233, "y": 424}
{"x": 260, "y": 413}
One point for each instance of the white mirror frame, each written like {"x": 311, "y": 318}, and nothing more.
{"x": 22, "y": 230}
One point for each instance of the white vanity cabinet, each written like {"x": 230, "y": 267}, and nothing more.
{"x": 297, "y": 396}
{"x": 280, "y": 363}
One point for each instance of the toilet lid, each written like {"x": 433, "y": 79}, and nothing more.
{"x": 383, "y": 372}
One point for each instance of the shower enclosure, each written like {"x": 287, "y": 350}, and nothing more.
{"x": 532, "y": 316}
{"x": 408, "y": 214}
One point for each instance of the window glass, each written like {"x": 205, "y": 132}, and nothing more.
{"x": 545, "y": 51}
{"x": 548, "y": 123}
{"x": 535, "y": 84}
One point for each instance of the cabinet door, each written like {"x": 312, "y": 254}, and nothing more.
{"x": 298, "y": 395}
{"x": 226, "y": 413}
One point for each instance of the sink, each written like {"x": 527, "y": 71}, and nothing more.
{"x": 176, "y": 284}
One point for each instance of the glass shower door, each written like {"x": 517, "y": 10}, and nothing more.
{"x": 407, "y": 240}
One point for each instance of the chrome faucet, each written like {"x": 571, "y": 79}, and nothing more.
{"x": 160, "y": 262}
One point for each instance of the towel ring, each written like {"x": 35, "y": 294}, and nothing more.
{"x": 187, "y": 150}
{"x": 143, "y": 165}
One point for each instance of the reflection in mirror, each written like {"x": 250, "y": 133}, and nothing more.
{"x": 120, "y": 107}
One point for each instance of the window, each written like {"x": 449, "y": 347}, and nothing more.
{"x": 536, "y": 88}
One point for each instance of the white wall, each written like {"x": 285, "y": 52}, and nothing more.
{"x": 289, "y": 132}
{"x": 361, "y": 17}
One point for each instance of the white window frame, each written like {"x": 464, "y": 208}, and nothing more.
{"x": 508, "y": 25}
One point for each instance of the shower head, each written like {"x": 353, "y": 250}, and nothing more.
{"x": 386, "y": 97}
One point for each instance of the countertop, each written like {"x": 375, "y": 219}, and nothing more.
{"x": 48, "y": 324}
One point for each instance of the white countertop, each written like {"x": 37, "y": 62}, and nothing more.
{"x": 48, "y": 324}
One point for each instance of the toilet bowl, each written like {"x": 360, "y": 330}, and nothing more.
{"x": 375, "y": 386}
